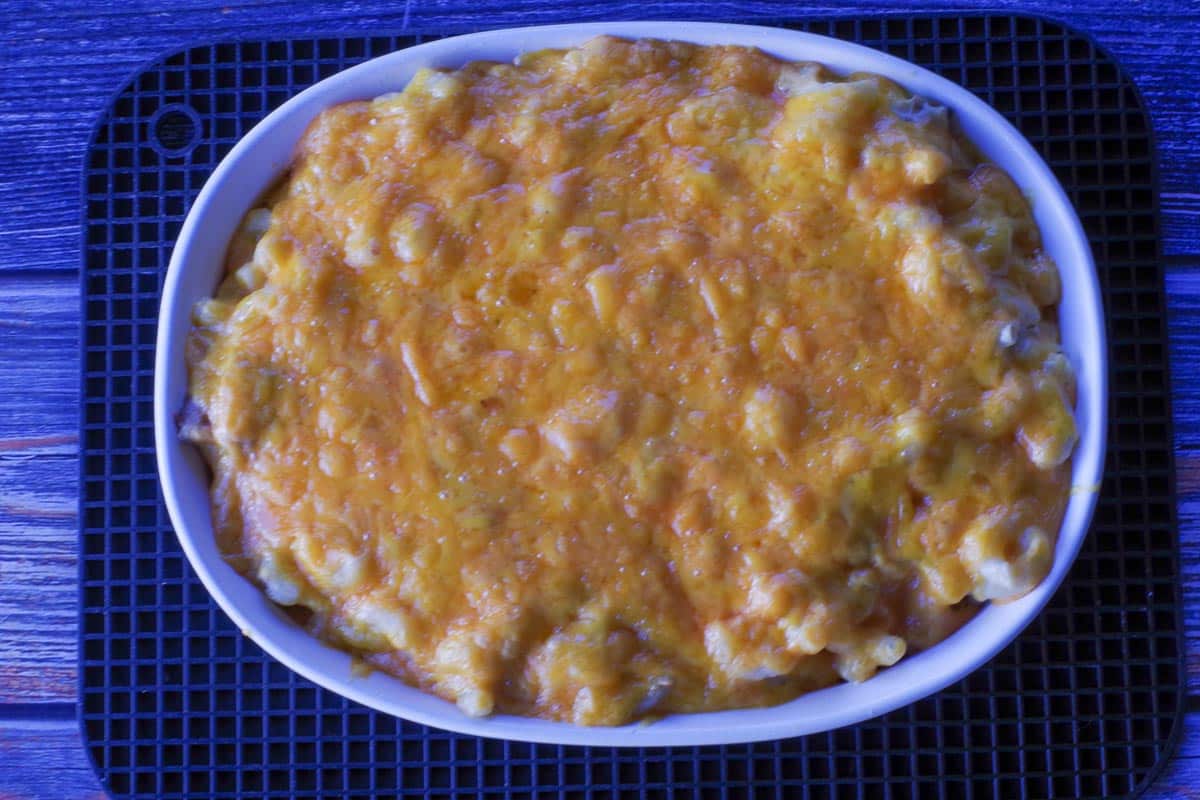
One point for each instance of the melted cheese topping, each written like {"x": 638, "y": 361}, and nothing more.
{"x": 636, "y": 378}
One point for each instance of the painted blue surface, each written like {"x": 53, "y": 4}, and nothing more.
{"x": 61, "y": 62}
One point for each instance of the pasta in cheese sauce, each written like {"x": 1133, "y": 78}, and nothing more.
{"x": 636, "y": 378}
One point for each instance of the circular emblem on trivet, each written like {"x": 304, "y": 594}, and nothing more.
{"x": 174, "y": 130}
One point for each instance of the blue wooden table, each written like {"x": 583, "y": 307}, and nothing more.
{"x": 59, "y": 64}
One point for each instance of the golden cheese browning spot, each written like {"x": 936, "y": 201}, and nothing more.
{"x": 636, "y": 378}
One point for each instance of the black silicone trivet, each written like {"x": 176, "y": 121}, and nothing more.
{"x": 175, "y": 702}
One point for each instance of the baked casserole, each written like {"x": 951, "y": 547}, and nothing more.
{"x": 636, "y": 378}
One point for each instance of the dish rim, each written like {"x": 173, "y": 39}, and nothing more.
{"x": 263, "y": 154}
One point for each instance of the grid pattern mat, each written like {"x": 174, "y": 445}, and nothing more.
{"x": 175, "y": 702}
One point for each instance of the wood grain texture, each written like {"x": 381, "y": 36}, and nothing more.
{"x": 40, "y": 314}
{"x": 1183, "y": 313}
{"x": 1183, "y": 304}
{"x": 38, "y": 587}
{"x": 45, "y": 759}
{"x": 59, "y": 64}
{"x": 39, "y": 420}
{"x": 62, "y": 61}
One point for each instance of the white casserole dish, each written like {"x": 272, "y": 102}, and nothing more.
{"x": 262, "y": 156}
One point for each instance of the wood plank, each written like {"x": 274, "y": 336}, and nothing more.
{"x": 61, "y": 66}
{"x": 39, "y": 420}
{"x": 38, "y": 586}
{"x": 45, "y": 759}
{"x": 1183, "y": 310}
{"x": 39, "y": 362}
{"x": 1189, "y": 561}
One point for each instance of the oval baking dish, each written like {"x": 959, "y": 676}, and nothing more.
{"x": 257, "y": 162}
